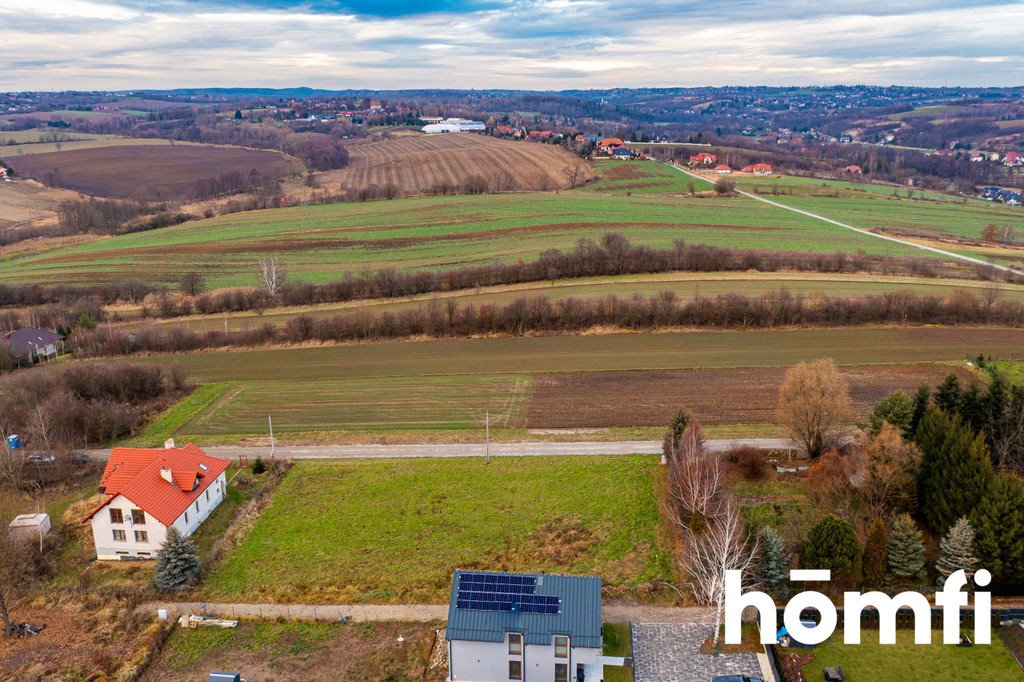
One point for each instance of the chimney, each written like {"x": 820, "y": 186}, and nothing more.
{"x": 169, "y": 444}
{"x": 166, "y": 474}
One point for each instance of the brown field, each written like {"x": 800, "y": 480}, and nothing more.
{"x": 150, "y": 172}
{"x": 69, "y": 116}
{"x": 715, "y": 396}
{"x": 416, "y": 163}
{"x": 30, "y": 204}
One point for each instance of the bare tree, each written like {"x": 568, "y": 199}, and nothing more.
{"x": 573, "y": 174}
{"x": 272, "y": 274}
{"x": 886, "y": 474}
{"x": 192, "y": 283}
{"x": 814, "y": 404}
{"x": 709, "y": 554}
{"x": 697, "y": 480}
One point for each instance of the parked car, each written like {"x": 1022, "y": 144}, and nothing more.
{"x": 224, "y": 677}
{"x": 41, "y": 459}
{"x": 80, "y": 458}
{"x": 737, "y": 678}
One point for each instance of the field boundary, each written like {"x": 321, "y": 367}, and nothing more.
{"x": 869, "y": 233}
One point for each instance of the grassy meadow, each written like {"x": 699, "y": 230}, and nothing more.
{"x": 393, "y": 531}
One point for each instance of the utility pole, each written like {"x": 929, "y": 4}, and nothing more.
{"x": 487, "y": 431}
{"x": 270, "y": 420}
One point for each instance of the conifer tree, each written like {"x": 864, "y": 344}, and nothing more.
{"x": 956, "y": 551}
{"x": 832, "y": 545}
{"x": 774, "y": 573}
{"x": 876, "y": 555}
{"x": 177, "y": 562}
{"x": 998, "y": 523}
{"x": 906, "y": 552}
{"x": 897, "y": 408}
{"x": 922, "y": 399}
{"x": 956, "y": 469}
{"x": 948, "y": 395}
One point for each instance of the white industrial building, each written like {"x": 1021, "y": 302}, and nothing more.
{"x": 454, "y": 125}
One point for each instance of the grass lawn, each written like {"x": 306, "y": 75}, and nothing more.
{"x": 617, "y": 642}
{"x": 779, "y": 502}
{"x": 873, "y": 662}
{"x": 309, "y": 652}
{"x": 394, "y": 530}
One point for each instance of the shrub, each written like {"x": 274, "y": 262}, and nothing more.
{"x": 832, "y": 545}
{"x": 750, "y": 462}
{"x": 259, "y": 466}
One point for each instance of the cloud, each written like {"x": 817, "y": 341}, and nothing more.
{"x": 533, "y": 44}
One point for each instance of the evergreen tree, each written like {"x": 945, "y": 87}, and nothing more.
{"x": 832, "y": 545}
{"x": 906, "y": 552}
{"x": 897, "y": 408}
{"x": 774, "y": 564}
{"x": 876, "y": 555}
{"x": 956, "y": 551}
{"x": 177, "y": 562}
{"x": 956, "y": 470}
{"x": 948, "y": 395}
{"x": 998, "y": 522}
{"x": 922, "y": 398}
{"x": 972, "y": 408}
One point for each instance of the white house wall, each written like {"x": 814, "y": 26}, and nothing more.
{"x": 488, "y": 662}
{"x": 103, "y": 528}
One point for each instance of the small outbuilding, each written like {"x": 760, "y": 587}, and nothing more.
{"x": 30, "y": 526}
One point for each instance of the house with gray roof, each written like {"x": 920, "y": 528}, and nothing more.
{"x": 29, "y": 344}
{"x": 534, "y": 627}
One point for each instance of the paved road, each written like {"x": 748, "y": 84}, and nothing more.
{"x": 869, "y": 233}
{"x": 612, "y": 613}
{"x": 424, "y": 450}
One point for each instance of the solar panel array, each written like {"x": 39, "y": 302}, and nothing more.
{"x": 486, "y": 592}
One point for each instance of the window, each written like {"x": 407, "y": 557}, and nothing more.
{"x": 515, "y": 644}
{"x": 138, "y": 517}
{"x": 207, "y": 495}
{"x": 515, "y": 670}
{"x": 119, "y": 535}
{"x": 561, "y": 672}
{"x": 197, "y": 506}
{"x": 116, "y": 516}
{"x": 186, "y": 518}
{"x": 561, "y": 647}
{"x": 141, "y": 536}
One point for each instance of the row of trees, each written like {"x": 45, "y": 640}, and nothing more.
{"x": 448, "y": 318}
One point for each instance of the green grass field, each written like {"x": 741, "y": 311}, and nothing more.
{"x": 873, "y": 662}
{"x": 320, "y": 243}
{"x": 888, "y": 209}
{"x": 642, "y": 177}
{"x": 394, "y": 530}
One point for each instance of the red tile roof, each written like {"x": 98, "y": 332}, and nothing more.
{"x": 610, "y": 142}
{"x": 136, "y": 474}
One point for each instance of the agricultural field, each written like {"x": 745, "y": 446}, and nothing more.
{"x": 417, "y": 163}
{"x": 685, "y": 285}
{"x": 554, "y": 382}
{"x": 320, "y": 243}
{"x": 394, "y": 530}
{"x": 62, "y": 115}
{"x": 30, "y": 204}
{"x": 306, "y": 652}
{"x": 642, "y": 177}
{"x": 930, "y": 218}
{"x": 159, "y": 172}
{"x": 908, "y": 661}
{"x": 35, "y": 142}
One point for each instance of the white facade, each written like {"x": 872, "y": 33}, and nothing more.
{"x": 120, "y": 531}
{"x": 454, "y": 125}
{"x": 471, "y": 661}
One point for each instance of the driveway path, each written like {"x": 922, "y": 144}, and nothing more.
{"x": 419, "y": 450}
{"x": 869, "y": 233}
{"x": 612, "y": 613}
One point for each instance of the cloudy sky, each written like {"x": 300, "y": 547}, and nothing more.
{"x": 536, "y": 44}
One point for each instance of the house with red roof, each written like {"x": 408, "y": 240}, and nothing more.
{"x": 149, "y": 490}
{"x": 610, "y": 144}
{"x": 1013, "y": 159}
{"x": 762, "y": 169}
{"x": 723, "y": 169}
{"x": 855, "y": 170}
{"x": 703, "y": 159}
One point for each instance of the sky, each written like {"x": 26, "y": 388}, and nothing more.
{"x": 528, "y": 44}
